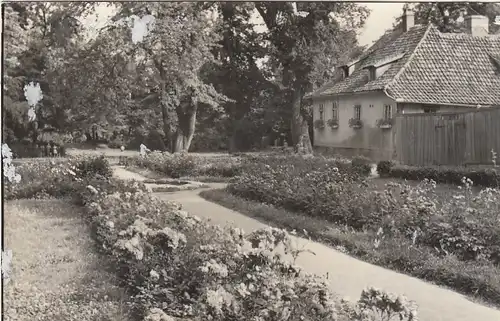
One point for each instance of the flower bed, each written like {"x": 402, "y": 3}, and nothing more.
{"x": 185, "y": 165}
{"x": 464, "y": 225}
{"x": 487, "y": 177}
{"x": 473, "y": 278}
{"x": 176, "y": 264}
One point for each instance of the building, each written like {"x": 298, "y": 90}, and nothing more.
{"x": 412, "y": 69}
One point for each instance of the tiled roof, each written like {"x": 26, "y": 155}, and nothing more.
{"x": 390, "y": 44}
{"x": 450, "y": 68}
{"x": 436, "y": 68}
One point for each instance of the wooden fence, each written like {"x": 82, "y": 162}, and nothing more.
{"x": 448, "y": 138}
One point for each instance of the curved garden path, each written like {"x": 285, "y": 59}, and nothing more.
{"x": 347, "y": 276}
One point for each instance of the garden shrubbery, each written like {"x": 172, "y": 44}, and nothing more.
{"x": 463, "y": 225}
{"x": 183, "y": 165}
{"x": 486, "y": 177}
{"x": 177, "y": 264}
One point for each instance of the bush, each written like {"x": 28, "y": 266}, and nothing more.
{"x": 448, "y": 175}
{"x": 384, "y": 167}
{"x": 172, "y": 165}
{"x": 362, "y": 165}
{"x": 56, "y": 178}
{"x": 191, "y": 269}
{"x": 92, "y": 167}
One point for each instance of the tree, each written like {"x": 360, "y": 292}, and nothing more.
{"x": 171, "y": 58}
{"x": 237, "y": 75}
{"x": 38, "y": 37}
{"x": 448, "y": 16}
{"x": 305, "y": 37}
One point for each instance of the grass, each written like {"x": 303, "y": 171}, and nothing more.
{"x": 56, "y": 274}
{"x": 481, "y": 282}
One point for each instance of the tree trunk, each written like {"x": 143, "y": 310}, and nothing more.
{"x": 185, "y": 129}
{"x": 191, "y": 123}
{"x": 300, "y": 127}
{"x": 180, "y": 141}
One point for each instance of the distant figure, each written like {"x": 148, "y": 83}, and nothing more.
{"x": 143, "y": 150}
{"x": 121, "y": 159}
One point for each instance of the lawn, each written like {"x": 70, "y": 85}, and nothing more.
{"x": 56, "y": 273}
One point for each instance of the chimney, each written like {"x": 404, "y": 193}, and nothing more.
{"x": 408, "y": 19}
{"x": 477, "y": 25}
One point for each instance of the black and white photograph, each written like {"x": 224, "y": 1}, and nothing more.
{"x": 250, "y": 161}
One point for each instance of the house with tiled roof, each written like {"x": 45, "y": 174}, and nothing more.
{"x": 412, "y": 69}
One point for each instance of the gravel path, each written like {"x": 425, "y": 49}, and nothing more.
{"x": 56, "y": 274}
{"x": 348, "y": 276}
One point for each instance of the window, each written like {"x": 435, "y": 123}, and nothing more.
{"x": 321, "y": 111}
{"x": 357, "y": 112}
{"x": 387, "y": 112}
{"x": 373, "y": 73}
{"x": 335, "y": 111}
{"x": 430, "y": 109}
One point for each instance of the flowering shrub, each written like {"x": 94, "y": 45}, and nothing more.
{"x": 57, "y": 178}
{"x": 385, "y": 122}
{"x": 384, "y": 167}
{"x": 173, "y": 165}
{"x": 178, "y": 265}
{"x": 319, "y": 124}
{"x": 464, "y": 225}
{"x": 9, "y": 171}
{"x": 355, "y": 123}
{"x": 448, "y": 175}
{"x": 175, "y": 264}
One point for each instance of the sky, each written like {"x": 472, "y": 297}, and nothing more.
{"x": 380, "y": 19}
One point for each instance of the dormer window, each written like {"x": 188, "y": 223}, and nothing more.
{"x": 372, "y": 73}
{"x": 345, "y": 71}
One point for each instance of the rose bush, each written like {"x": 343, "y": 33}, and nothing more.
{"x": 185, "y": 165}
{"x": 177, "y": 265}
{"x": 190, "y": 269}
{"x": 465, "y": 225}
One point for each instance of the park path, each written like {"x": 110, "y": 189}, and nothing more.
{"x": 347, "y": 276}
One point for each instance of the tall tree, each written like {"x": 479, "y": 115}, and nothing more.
{"x": 449, "y": 16}
{"x": 304, "y": 37}
{"x": 171, "y": 57}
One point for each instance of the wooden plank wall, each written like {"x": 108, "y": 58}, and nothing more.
{"x": 448, "y": 138}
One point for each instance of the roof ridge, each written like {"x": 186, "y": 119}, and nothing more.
{"x": 410, "y": 58}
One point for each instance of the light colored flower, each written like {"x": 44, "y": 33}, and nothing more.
{"x": 154, "y": 275}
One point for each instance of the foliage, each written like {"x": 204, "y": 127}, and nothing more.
{"x": 399, "y": 253}
{"x": 384, "y": 122}
{"x": 384, "y": 167}
{"x": 176, "y": 261}
{"x": 172, "y": 165}
{"x": 181, "y": 165}
{"x": 361, "y": 165}
{"x": 486, "y": 177}
{"x": 57, "y": 177}
{"x": 8, "y": 169}
{"x": 319, "y": 124}
{"x": 450, "y": 225}
{"x": 355, "y": 123}
{"x": 190, "y": 268}
{"x": 333, "y": 123}
{"x": 97, "y": 166}
{"x": 449, "y": 16}
{"x": 306, "y": 41}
